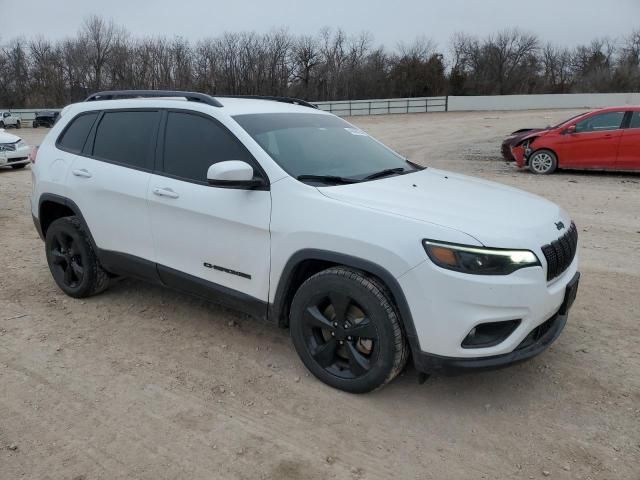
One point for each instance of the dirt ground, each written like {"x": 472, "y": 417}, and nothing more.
{"x": 145, "y": 383}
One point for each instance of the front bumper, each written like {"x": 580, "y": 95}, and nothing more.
{"x": 15, "y": 157}
{"x": 506, "y": 152}
{"x": 445, "y": 306}
{"x": 519, "y": 155}
{"x": 535, "y": 343}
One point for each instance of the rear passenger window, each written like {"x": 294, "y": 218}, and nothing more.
{"x": 76, "y": 133}
{"x": 126, "y": 138}
{"x": 193, "y": 143}
{"x": 635, "y": 120}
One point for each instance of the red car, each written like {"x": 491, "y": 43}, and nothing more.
{"x": 605, "y": 139}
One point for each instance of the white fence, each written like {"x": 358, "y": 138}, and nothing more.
{"x": 347, "y": 108}
{"x": 384, "y": 106}
{"x": 479, "y": 103}
{"x": 537, "y": 102}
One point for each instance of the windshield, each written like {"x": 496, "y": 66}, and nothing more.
{"x": 568, "y": 120}
{"x": 311, "y": 144}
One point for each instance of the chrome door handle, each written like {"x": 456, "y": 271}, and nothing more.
{"x": 84, "y": 173}
{"x": 165, "y": 192}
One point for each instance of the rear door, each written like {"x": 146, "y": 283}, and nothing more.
{"x": 109, "y": 179}
{"x": 629, "y": 150}
{"x": 218, "y": 237}
{"x": 594, "y": 143}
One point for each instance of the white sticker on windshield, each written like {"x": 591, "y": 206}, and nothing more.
{"x": 356, "y": 131}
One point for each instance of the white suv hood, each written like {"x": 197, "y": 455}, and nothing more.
{"x": 7, "y": 137}
{"x": 496, "y": 215}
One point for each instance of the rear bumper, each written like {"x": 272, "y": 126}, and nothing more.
{"x": 535, "y": 343}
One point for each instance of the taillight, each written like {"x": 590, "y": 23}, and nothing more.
{"x": 33, "y": 154}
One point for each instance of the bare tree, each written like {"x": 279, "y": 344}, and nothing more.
{"x": 99, "y": 36}
{"x": 329, "y": 65}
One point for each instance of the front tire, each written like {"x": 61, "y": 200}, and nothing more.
{"x": 72, "y": 260}
{"x": 345, "y": 329}
{"x": 543, "y": 162}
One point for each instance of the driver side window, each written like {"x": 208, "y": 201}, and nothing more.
{"x": 601, "y": 122}
{"x": 194, "y": 142}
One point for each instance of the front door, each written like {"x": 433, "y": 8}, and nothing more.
{"x": 204, "y": 236}
{"x": 594, "y": 143}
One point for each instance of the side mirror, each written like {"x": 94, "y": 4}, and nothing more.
{"x": 233, "y": 174}
{"x": 571, "y": 129}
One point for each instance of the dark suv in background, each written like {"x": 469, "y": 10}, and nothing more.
{"x": 45, "y": 119}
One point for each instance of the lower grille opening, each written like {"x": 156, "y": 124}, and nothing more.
{"x": 489, "y": 334}
{"x": 537, "y": 333}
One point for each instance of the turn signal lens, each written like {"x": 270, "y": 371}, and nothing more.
{"x": 444, "y": 255}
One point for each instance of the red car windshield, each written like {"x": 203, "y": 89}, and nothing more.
{"x": 569, "y": 120}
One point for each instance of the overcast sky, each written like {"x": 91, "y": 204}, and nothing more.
{"x": 566, "y": 22}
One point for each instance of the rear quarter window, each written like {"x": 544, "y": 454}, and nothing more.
{"x": 75, "y": 134}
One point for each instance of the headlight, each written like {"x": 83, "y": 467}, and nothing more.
{"x": 478, "y": 260}
{"x": 21, "y": 144}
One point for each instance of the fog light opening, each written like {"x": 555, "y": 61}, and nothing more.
{"x": 489, "y": 334}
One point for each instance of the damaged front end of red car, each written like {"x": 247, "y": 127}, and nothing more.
{"x": 523, "y": 150}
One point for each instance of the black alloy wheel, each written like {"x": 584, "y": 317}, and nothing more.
{"x": 66, "y": 260}
{"x": 72, "y": 260}
{"x": 346, "y": 330}
{"x": 339, "y": 335}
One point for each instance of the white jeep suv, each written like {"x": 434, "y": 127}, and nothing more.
{"x": 294, "y": 215}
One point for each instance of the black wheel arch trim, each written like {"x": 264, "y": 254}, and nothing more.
{"x": 278, "y": 310}
{"x": 67, "y": 202}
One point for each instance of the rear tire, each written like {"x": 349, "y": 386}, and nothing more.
{"x": 543, "y": 162}
{"x": 72, "y": 260}
{"x": 1, "y": 124}
{"x": 345, "y": 329}
{"x": 18, "y": 124}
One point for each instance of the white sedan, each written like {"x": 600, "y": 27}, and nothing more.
{"x": 14, "y": 152}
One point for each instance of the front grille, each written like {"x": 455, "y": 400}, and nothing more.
{"x": 8, "y": 147}
{"x": 560, "y": 253}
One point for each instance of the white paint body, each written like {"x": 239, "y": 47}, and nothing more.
{"x": 382, "y": 221}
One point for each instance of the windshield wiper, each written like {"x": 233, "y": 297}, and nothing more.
{"x": 327, "y": 179}
{"x": 383, "y": 173}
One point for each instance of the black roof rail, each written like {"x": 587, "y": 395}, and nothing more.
{"x": 122, "y": 94}
{"x": 294, "y": 101}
